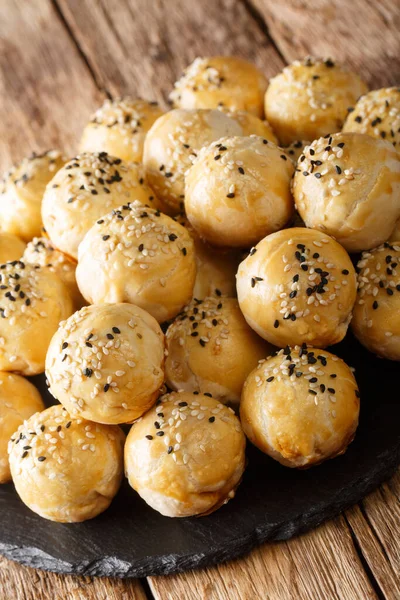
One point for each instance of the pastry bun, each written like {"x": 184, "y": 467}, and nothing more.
{"x": 221, "y": 81}
{"x": 138, "y": 255}
{"x": 196, "y": 448}
{"x": 210, "y": 348}
{"x": 21, "y": 194}
{"x": 33, "y": 301}
{"x": 106, "y": 363}
{"x": 238, "y": 191}
{"x": 341, "y": 184}
{"x": 297, "y": 285}
{"x": 66, "y": 469}
{"x": 119, "y": 127}
{"x": 19, "y": 399}
{"x": 301, "y": 406}
{"x": 375, "y": 318}
{"x": 310, "y": 98}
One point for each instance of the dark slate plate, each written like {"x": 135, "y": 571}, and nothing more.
{"x": 272, "y": 503}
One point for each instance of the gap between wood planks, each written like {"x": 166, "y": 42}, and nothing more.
{"x": 257, "y": 17}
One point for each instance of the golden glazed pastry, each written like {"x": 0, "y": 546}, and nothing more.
{"x": 106, "y": 363}
{"x": 139, "y": 255}
{"x": 221, "y": 81}
{"x": 238, "y": 191}
{"x": 19, "y": 399}
{"x": 377, "y": 114}
{"x": 32, "y": 303}
{"x": 210, "y": 348}
{"x": 40, "y": 251}
{"x": 348, "y": 185}
{"x": 376, "y": 312}
{"x": 310, "y": 98}
{"x": 297, "y": 285}
{"x": 84, "y": 190}
{"x": 11, "y": 247}
{"x": 66, "y": 469}
{"x": 186, "y": 456}
{"x": 173, "y": 143}
{"x": 21, "y": 193}
{"x": 301, "y": 406}
{"x": 252, "y": 125}
{"x": 119, "y": 127}
{"x": 215, "y": 268}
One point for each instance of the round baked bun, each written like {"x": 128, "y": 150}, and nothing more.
{"x": 139, "y": 255}
{"x": 11, "y": 247}
{"x": 84, "y": 190}
{"x": 33, "y": 301}
{"x": 348, "y": 185}
{"x": 252, "y": 125}
{"x": 221, "y": 81}
{"x": 238, "y": 191}
{"x": 216, "y": 268}
{"x": 21, "y": 193}
{"x": 19, "y": 399}
{"x": 66, "y": 469}
{"x": 196, "y": 448}
{"x": 173, "y": 143}
{"x": 375, "y": 317}
{"x": 106, "y": 363}
{"x": 301, "y": 406}
{"x": 40, "y": 251}
{"x": 310, "y": 98}
{"x": 210, "y": 348}
{"x": 377, "y": 114}
{"x": 297, "y": 285}
{"x": 119, "y": 127}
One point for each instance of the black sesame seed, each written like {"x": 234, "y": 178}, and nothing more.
{"x": 149, "y": 437}
{"x": 41, "y": 458}
{"x": 116, "y": 330}
{"x": 270, "y": 379}
{"x": 211, "y": 419}
{"x": 68, "y": 425}
{"x": 160, "y": 433}
{"x": 170, "y": 448}
{"x": 276, "y": 324}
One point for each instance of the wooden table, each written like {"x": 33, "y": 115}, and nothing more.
{"x": 58, "y": 60}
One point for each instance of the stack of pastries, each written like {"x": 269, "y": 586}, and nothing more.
{"x": 184, "y": 275}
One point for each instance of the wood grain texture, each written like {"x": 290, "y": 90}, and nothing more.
{"x": 360, "y": 33}
{"x": 22, "y": 583}
{"x": 46, "y": 90}
{"x": 141, "y": 47}
{"x": 319, "y": 565}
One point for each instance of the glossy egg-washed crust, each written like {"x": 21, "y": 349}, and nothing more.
{"x": 377, "y": 114}
{"x": 297, "y": 285}
{"x": 106, "y": 363}
{"x": 19, "y": 399}
{"x": 310, "y": 98}
{"x": 301, "y": 406}
{"x": 119, "y": 127}
{"x": 33, "y": 301}
{"x": 66, "y": 469}
{"x": 348, "y": 185}
{"x": 211, "y": 348}
{"x": 186, "y": 456}
{"x": 21, "y": 193}
{"x": 86, "y": 188}
{"x": 221, "y": 81}
{"x": 238, "y": 191}
{"x": 139, "y": 255}
{"x": 40, "y": 251}
{"x": 376, "y": 312}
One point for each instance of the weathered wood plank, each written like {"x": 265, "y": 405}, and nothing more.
{"x": 46, "y": 90}
{"x": 140, "y": 47}
{"x": 23, "y": 583}
{"x": 375, "y": 523}
{"x": 319, "y": 565}
{"x": 360, "y": 33}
